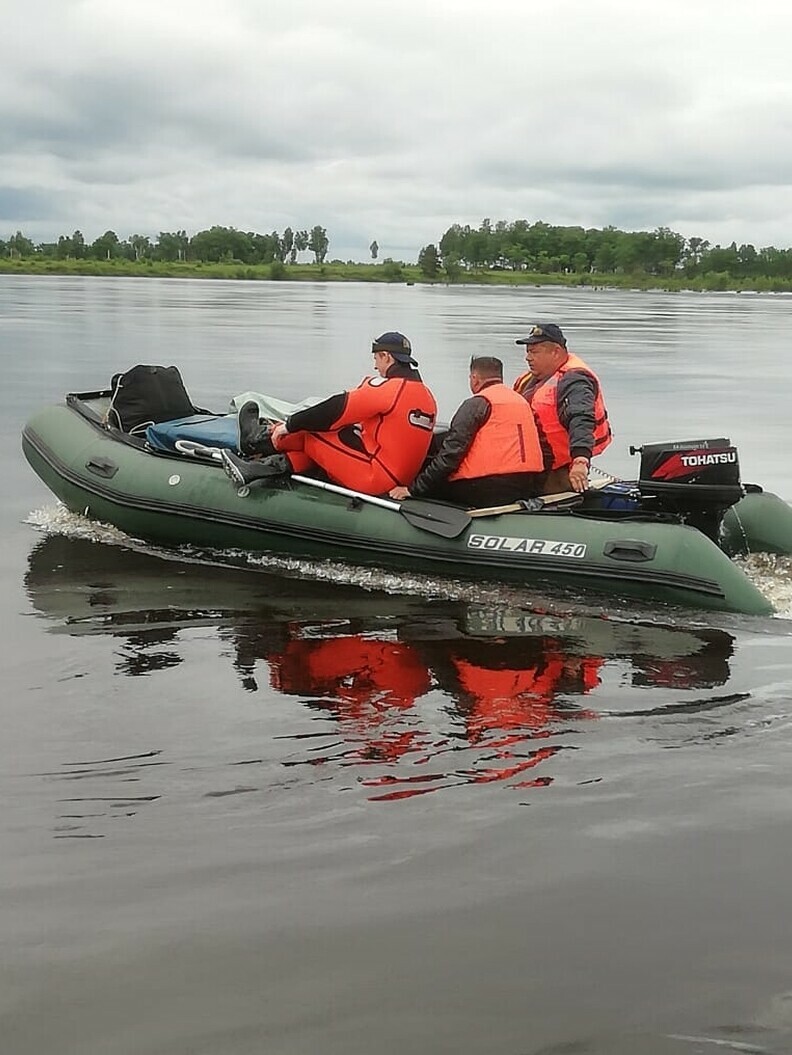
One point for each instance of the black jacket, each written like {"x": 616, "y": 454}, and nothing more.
{"x": 466, "y": 422}
{"x": 322, "y": 416}
{"x": 576, "y": 394}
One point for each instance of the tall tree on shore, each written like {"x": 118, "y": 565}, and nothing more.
{"x": 18, "y": 245}
{"x": 140, "y": 245}
{"x": 318, "y": 243}
{"x": 429, "y": 261}
{"x": 105, "y": 247}
{"x": 264, "y": 247}
{"x": 287, "y": 243}
{"x": 72, "y": 247}
{"x": 172, "y": 246}
{"x": 452, "y": 267}
{"x": 300, "y": 241}
{"x": 277, "y": 243}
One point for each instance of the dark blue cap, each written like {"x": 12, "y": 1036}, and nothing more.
{"x": 397, "y": 345}
{"x": 544, "y": 331}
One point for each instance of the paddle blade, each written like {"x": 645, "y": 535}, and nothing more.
{"x": 439, "y": 519}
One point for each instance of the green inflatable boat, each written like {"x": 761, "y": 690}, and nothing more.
{"x": 668, "y": 536}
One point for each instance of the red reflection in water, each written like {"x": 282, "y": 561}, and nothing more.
{"x": 503, "y": 694}
{"x": 366, "y": 682}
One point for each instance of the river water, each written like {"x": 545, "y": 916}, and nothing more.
{"x": 292, "y": 808}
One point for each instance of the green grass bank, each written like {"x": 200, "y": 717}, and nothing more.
{"x": 388, "y": 271}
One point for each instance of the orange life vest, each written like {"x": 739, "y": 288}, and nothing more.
{"x": 508, "y": 442}
{"x": 544, "y": 403}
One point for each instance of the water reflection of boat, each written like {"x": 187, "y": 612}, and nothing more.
{"x": 664, "y": 656}
{"x": 85, "y": 588}
{"x": 92, "y": 588}
{"x": 403, "y": 681}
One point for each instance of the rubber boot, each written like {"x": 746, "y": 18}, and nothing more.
{"x": 254, "y": 437}
{"x": 244, "y": 473}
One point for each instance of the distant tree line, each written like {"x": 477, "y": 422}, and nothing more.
{"x": 546, "y": 249}
{"x": 532, "y": 248}
{"x": 217, "y": 245}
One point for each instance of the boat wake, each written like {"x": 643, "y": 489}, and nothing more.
{"x": 57, "y": 519}
{"x": 772, "y": 575}
{"x": 769, "y": 573}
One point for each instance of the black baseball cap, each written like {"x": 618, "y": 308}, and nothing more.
{"x": 544, "y": 331}
{"x": 398, "y": 346}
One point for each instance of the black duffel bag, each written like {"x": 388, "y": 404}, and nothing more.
{"x": 146, "y": 395}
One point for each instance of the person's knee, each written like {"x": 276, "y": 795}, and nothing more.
{"x": 289, "y": 441}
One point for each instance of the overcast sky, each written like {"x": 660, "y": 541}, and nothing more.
{"x": 390, "y": 121}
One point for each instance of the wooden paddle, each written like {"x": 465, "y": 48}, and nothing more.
{"x": 538, "y": 503}
{"x": 435, "y": 517}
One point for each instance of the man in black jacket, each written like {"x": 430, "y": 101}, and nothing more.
{"x": 492, "y": 452}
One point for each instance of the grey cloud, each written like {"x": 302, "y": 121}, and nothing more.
{"x": 18, "y": 204}
{"x": 134, "y": 111}
{"x": 394, "y": 121}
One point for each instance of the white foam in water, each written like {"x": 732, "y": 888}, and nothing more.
{"x": 58, "y": 520}
{"x": 391, "y": 582}
{"x": 773, "y": 576}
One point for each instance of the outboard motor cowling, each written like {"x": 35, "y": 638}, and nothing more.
{"x": 695, "y": 479}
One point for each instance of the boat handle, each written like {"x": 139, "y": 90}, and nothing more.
{"x": 102, "y": 467}
{"x": 633, "y": 550}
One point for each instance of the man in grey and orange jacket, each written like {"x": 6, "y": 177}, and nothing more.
{"x": 566, "y": 397}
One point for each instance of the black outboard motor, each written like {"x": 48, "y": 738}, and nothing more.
{"x": 695, "y": 479}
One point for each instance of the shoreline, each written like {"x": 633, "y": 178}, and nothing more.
{"x": 388, "y": 272}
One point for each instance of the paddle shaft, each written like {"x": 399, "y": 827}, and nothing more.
{"x": 435, "y": 517}
{"x": 540, "y": 500}
{"x": 336, "y": 489}
{"x": 526, "y": 505}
